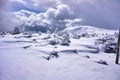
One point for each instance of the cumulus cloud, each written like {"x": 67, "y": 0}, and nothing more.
{"x": 99, "y": 13}
{"x": 51, "y": 14}
{"x": 61, "y": 11}
{"x": 57, "y": 17}
{"x": 72, "y": 22}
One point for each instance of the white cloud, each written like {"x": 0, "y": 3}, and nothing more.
{"x": 72, "y": 22}
{"x": 50, "y": 13}
{"x": 61, "y": 11}
{"x": 58, "y": 16}
{"x": 100, "y": 13}
{"x": 76, "y": 20}
{"x": 65, "y": 13}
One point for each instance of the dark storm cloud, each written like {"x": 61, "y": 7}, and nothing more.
{"x": 2, "y": 3}
{"x": 99, "y": 13}
{"x": 5, "y": 18}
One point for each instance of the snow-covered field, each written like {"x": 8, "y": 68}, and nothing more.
{"x": 35, "y": 57}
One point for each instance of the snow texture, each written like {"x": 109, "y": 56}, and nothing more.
{"x": 25, "y": 56}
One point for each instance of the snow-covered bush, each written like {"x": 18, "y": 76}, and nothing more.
{"x": 102, "y": 62}
{"x": 16, "y": 31}
{"x": 2, "y": 34}
{"x": 65, "y": 42}
{"x": 47, "y": 37}
{"x": 25, "y": 47}
{"x": 75, "y": 51}
{"x": 110, "y": 48}
{"x": 27, "y": 34}
{"x": 108, "y": 43}
{"x": 54, "y": 39}
{"x": 86, "y": 56}
{"x": 79, "y": 35}
{"x": 53, "y": 54}
{"x": 65, "y": 39}
{"x": 75, "y": 36}
{"x": 62, "y": 38}
{"x": 85, "y": 35}
{"x": 53, "y": 42}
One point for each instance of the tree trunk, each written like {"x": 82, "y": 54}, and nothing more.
{"x": 117, "y": 50}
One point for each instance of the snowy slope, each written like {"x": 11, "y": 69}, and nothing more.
{"x": 24, "y": 58}
{"x": 88, "y": 29}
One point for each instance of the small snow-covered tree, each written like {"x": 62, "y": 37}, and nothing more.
{"x": 65, "y": 39}
{"x": 54, "y": 39}
{"x": 16, "y": 31}
{"x": 107, "y": 43}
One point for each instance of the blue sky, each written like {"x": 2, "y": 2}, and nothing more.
{"x": 17, "y": 6}
{"x": 98, "y": 13}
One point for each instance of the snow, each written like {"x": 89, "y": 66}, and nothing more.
{"x": 23, "y": 58}
{"x": 88, "y": 29}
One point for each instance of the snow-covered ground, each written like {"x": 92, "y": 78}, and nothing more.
{"x": 26, "y": 58}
